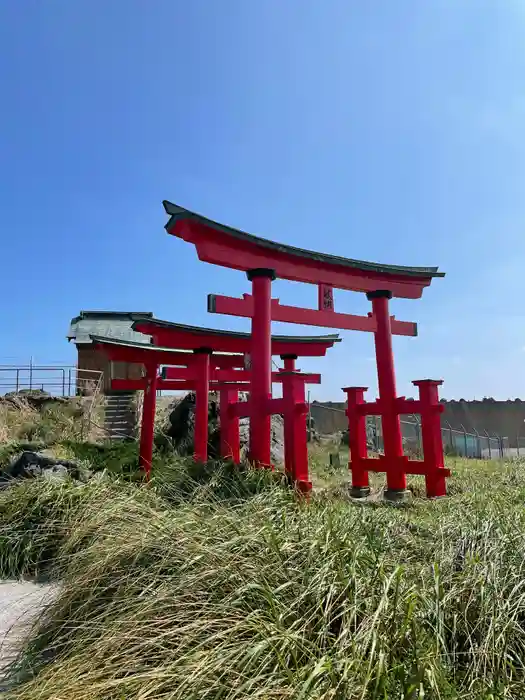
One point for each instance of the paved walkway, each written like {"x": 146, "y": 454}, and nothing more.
{"x": 20, "y": 602}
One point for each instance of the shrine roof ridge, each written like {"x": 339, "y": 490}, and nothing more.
{"x": 178, "y": 213}
{"x": 103, "y": 314}
{"x": 158, "y": 323}
{"x": 150, "y": 347}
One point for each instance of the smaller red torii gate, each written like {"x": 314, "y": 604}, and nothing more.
{"x": 208, "y": 367}
{"x": 262, "y": 406}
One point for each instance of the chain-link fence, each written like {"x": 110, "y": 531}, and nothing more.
{"x": 456, "y": 442}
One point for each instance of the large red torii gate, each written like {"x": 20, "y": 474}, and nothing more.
{"x": 263, "y": 261}
{"x": 201, "y": 359}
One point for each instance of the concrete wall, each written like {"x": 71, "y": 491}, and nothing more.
{"x": 504, "y": 418}
{"x": 329, "y": 416}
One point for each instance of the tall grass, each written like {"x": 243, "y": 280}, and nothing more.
{"x": 245, "y": 592}
{"x": 52, "y": 422}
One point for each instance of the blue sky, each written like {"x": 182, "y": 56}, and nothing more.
{"x": 388, "y": 131}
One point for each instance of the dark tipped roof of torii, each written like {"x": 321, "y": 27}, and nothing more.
{"x": 178, "y": 213}
{"x": 179, "y": 335}
{"x": 198, "y": 330}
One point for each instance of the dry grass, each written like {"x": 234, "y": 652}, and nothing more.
{"x": 74, "y": 419}
{"x": 233, "y": 589}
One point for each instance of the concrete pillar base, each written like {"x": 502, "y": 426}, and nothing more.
{"x": 397, "y": 495}
{"x": 360, "y": 491}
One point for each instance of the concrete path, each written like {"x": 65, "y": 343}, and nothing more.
{"x": 20, "y": 603}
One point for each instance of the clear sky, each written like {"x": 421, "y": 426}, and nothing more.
{"x": 384, "y": 130}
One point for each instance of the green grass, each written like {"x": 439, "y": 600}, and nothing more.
{"x": 215, "y": 584}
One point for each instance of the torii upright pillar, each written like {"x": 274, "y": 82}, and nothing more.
{"x": 392, "y": 437}
{"x": 261, "y": 359}
{"x": 230, "y": 433}
{"x": 289, "y": 366}
{"x": 201, "y": 404}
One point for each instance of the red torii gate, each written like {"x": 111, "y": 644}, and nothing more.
{"x": 263, "y": 261}
{"x": 204, "y": 368}
{"x": 261, "y": 406}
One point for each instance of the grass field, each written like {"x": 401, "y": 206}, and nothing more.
{"x": 214, "y": 584}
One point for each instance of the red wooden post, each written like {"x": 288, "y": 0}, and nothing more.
{"x": 300, "y": 434}
{"x": 392, "y": 438}
{"x": 357, "y": 441}
{"x": 230, "y": 438}
{"x": 202, "y": 383}
{"x": 261, "y": 362}
{"x": 147, "y": 430}
{"x": 289, "y": 366}
{"x": 433, "y": 456}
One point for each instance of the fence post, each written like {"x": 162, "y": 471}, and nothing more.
{"x": 464, "y": 438}
{"x": 451, "y": 436}
{"x": 490, "y": 447}
{"x": 478, "y": 444}
{"x": 418, "y": 433}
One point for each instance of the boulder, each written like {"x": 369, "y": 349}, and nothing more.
{"x": 29, "y": 465}
{"x": 181, "y": 428}
{"x": 36, "y": 398}
{"x": 181, "y": 425}
{"x": 277, "y": 434}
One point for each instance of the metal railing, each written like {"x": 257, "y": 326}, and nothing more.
{"x": 455, "y": 442}
{"x": 88, "y": 413}
{"x": 55, "y": 380}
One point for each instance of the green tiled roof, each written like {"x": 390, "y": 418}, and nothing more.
{"x": 109, "y": 324}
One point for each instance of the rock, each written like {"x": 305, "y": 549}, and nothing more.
{"x": 277, "y": 444}
{"x": 36, "y": 398}
{"x": 29, "y": 465}
{"x": 181, "y": 428}
{"x": 181, "y": 425}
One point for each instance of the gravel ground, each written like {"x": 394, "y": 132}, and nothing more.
{"x": 20, "y": 602}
